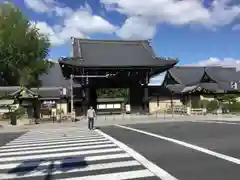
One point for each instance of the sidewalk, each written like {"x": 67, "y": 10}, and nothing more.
{"x": 119, "y": 119}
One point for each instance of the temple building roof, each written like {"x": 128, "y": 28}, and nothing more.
{"x": 115, "y": 53}
{"x": 214, "y": 79}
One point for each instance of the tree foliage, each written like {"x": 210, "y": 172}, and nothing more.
{"x": 112, "y": 93}
{"x": 228, "y": 98}
{"x": 23, "y": 50}
{"x": 212, "y": 105}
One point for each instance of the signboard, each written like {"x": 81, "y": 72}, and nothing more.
{"x": 49, "y": 104}
{"x": 233, "y": 85}
{"x": 63, "y": 92}
{"x": 101, "y": 106}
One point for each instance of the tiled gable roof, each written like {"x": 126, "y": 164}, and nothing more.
{"x": 110, "y": 53}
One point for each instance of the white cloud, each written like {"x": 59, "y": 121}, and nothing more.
{"x": 73, "y": 23}
{"x": 226, "y": 62}
{"x": 157, "y": 80}
{"x": 40, "y": 6}
{"x": 176, "y": 12}
{"x": 137, "y": 28}
{"x": 53, "y": 35}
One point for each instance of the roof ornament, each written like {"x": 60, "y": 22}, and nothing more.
{"x": 233, "y": 85}
{"x": 72, "y": 40}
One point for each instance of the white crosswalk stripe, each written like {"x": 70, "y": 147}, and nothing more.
{"x": 68, "y": 154}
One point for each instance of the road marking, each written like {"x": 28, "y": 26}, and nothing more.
{"x": 188, "y": 145}
{"x": 53, "y": 143}
{"x": 57, "y": 150}
{"x": 54, "y": 140}
{"x": 53, "y": 155}
{"x": 216, "y": 122}
{"x": 62, "y": 135}
{"x": 54, "y": 146}
{"x": 59, "y": 162}
{"x": 47, "y": 134}
{"x": 164, "y": 175}
{"x": 115, "y": 176}
{"x": 60, "y": 170}
{"x": 68, "y": 157}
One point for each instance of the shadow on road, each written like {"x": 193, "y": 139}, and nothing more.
{"x": 66, "y": 164}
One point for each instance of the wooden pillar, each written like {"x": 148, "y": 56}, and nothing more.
{"x": 146, "y": 101}
{"x": 145, "y": 94}
{"x": 87, "y": 96}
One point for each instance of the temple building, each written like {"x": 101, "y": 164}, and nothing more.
{"x": 99, "y": 64}
{"x": 73, "y": 83}
{"x": 185, "y": 83}
{"x": 126, "y": 64}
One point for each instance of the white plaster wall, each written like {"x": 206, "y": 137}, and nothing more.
{"x": 164, "y": 102}
{"x": 63, "y": 106}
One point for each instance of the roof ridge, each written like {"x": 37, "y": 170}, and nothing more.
{"x": 111, "y": 40}
{"x": 152, "y": 54}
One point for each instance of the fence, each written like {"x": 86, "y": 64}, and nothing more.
{"x": 183, "y": 110}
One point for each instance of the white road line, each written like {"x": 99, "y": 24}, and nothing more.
{"x": 215, "y": 122}
{"x": 38, "y": 136}
{"x": 20, "y": 141}
{"x": 116, "y": 176}
{"x": 50, "y": 143}
{"x": 70, "y": 148}
{"x": 43, "y": 172}
{"x": 55, "y": 134}
{"x": 182, "y": 143}
{"x": 59, "y": 162}
{"x": 63, "y": 129}
{"x": 164, "y": 175}
{"x": 31, "y": 138}
{"x": 63, "y": 136}
{"x": 54, "y": 146}
{"x": 41, "y": 156}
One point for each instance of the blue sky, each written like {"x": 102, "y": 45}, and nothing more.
{"x": 199, "y": 32}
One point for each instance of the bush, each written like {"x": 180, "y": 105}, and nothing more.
{"x": 18, "y": 112}
{"x": 234, "y": 107}
{"x": 212, "y": 106}
{"x": 195, "y": 103}
{"x": 204, "y": 103}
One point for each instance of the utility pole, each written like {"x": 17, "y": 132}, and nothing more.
{"x": 71, "y": 88}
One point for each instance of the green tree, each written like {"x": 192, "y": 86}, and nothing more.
{"x": 229, "y": 98}
{"x": 112, "y": 93}
{"x": 23, "y": 50}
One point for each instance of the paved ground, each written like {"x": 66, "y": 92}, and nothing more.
{"x": 9, "y": 136}
{"x": 69, "y": 152}
{"x": 183, "y": 162}
{"x": 206, "y": 150}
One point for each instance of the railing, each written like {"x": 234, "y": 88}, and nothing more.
{"x": 177, "y": 110}
{"x": 198, "y": 111}
{"x": 186, "y": 110}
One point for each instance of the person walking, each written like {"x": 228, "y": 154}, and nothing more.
{"x": 91, "y": 114}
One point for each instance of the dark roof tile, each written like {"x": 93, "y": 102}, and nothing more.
{"x": 114, "y": 53}
{"x": 55, "y": 78}
{"x": 187, "y": 75}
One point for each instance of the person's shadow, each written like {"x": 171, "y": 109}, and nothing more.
{"x": 70, "y": 163}
{"x": 25, "y": 167}
{"x": 66, "y": 164}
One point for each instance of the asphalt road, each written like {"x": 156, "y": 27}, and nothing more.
{"x": 6, "y": 137}
{"x": 182, "y": 162}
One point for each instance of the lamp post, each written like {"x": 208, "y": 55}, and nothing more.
{"x": 63, "y": 93}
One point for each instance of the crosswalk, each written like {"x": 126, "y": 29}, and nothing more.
{"x": 68, "y": 154}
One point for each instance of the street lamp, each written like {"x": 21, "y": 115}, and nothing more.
{"x": 63, "y": 92}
